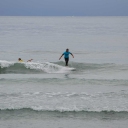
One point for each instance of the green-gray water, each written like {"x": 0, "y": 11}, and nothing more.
{"x": 93, "y": 93}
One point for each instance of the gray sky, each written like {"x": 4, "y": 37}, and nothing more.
{"x": 64, "y": 7}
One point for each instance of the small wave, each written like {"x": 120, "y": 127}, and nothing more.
{"x": 55, "y": 114}
{"x": 41, "y": 115}
{"x": 7, "y": 67}
{"x": 66, "y": 102}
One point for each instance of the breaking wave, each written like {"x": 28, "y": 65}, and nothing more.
{"x": 7, "y": 67}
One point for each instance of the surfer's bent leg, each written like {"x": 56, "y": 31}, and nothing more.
{"x": 66, "y": 61}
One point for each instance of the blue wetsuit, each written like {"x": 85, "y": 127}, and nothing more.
{"x": 66, "y": 56}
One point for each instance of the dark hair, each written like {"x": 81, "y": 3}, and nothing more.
{"x": 67, "y": 49}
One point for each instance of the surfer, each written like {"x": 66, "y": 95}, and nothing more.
{"x": 20, "y": 60}
{"x": 66, "y": 56}
{"x": 30, "y": 60}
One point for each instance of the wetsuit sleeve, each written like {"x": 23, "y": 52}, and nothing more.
{"x": 63, "y": 53}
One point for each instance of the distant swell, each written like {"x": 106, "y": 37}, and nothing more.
{"x": 60, "y": 111}
{"x": 28, "y": 113}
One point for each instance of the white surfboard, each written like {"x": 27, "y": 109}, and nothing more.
{"x": 69, "y": 68}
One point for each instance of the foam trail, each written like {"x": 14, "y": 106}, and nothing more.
{"x": 46, "y": 67}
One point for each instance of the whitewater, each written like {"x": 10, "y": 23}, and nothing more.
{"x": 91, "y": 92}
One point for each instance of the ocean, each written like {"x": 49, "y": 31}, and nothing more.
{"x": 44, "y": 93}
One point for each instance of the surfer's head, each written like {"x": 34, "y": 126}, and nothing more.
{"x": 67, "y": 50}
{"x": 19, "y": 59}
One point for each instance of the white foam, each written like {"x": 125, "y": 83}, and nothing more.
{"x": 48, "y": 67}
{"x": 4, "y": 63}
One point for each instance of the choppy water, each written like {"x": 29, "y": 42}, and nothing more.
{"x": 92, "y": 92}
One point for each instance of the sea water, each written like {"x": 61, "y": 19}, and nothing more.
{"x": 44, "y": 93}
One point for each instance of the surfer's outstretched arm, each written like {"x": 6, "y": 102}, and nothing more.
{"x": 61, "y": 56}
{"x": 72, "y": 55}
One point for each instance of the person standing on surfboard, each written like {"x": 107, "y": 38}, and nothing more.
{"x": 66, "y": 56}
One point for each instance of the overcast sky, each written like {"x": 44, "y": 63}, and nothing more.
{"x": 64, "y": 7}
